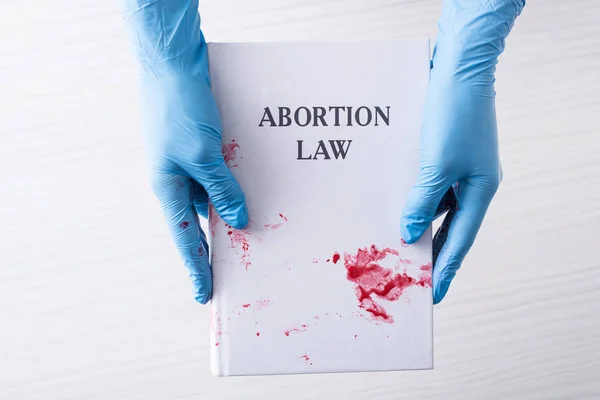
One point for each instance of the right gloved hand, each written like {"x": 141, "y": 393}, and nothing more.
{"x": 459, "y": 141}
{"x": 182, "y": 128}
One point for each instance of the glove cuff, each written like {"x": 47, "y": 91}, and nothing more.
{"x": 472, "y": 34}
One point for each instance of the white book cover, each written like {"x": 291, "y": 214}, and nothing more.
{"x": 324, "y": 140}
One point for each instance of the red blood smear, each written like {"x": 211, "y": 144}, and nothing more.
{"x": 245, "y": 261}
{"x": 239, "y": 238}
{"x": 404, "y": 244}
{"x": 213, "y": 220}
{"x": 230, "y": 154}
{"x": 372, "y": 280}
{"x": 245, "y": 305}
{"x": 257, "y": 333}
{"x": 184, "y": 224}
{"x": 216, "y": 325}
{"x": 336, "y": 258}
{"x": 327, "y": 260}
{"x": 275, "y": 226}
{"x": 425, "y": 277}
{"x": 302, "y": 328}
{"x": 306, "y": 359}
{"x": 216, "y": 344}
{"x": 355, "y": 336}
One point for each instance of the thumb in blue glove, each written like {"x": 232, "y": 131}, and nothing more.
{"x": 459, "y": 142}
{"x": 183, "y": 129}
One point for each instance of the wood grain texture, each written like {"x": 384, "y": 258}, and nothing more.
{"x": 94, "y": 302}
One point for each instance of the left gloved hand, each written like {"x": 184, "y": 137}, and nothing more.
{"x": 183, "y": 128}
{"x": 459, "y": 142}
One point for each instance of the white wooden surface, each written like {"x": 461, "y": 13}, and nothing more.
{"x": 94, "y": 303}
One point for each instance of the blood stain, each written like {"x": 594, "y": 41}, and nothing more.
{"x": 372, "y": 280}
{"x": 184, "y": 224}
{"x": 216, "y": 324}
{"x": 257, "y": 333}
{"x": 306, "y": 359}
{"x": 230, "y": 153}
{"x": 240, "y": 238}
{"x": 328, "y": 260}
{"x": 425, "y": 276}
{"x": 216, "y": 344}
{"x": 355, "y": 336}
{"x": 278, "y": 225}
{"x": 403, "y": 242}
{"x": 336, "y": 258}
{"x": 245, "y": 305}
{"x": 213, "y": 219}
{"x": 302, "y": 328}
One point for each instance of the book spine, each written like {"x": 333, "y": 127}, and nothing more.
{"x": 218, "y": 343}
{"x": 215, "y": 341}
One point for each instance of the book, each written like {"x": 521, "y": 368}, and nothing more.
{"x": 324, "y": 140}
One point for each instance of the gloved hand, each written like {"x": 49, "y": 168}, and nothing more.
{"x": 182, "y": 128}
{"x": 459, "y": 143}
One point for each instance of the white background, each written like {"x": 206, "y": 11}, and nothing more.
{"x": 94, "y": 303}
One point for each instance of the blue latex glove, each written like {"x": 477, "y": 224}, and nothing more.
{"x": 183, "y": 128}
{"x": 459, "y": 143}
